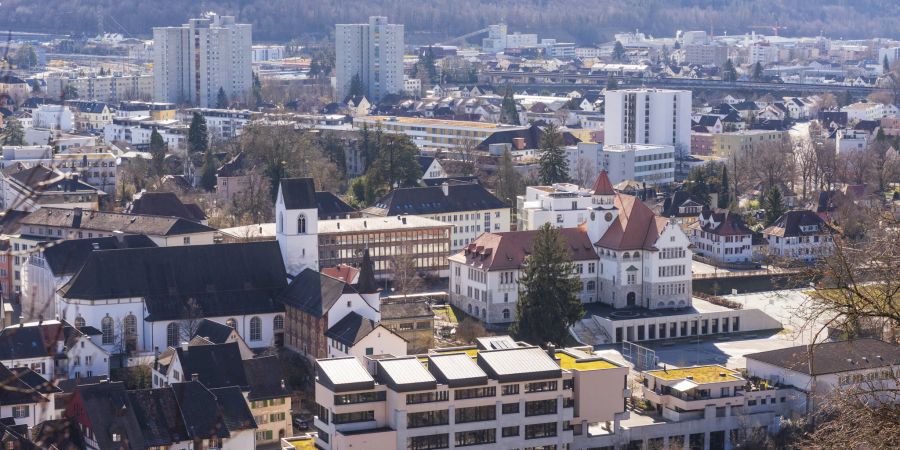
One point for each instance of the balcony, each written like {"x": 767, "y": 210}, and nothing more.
{"x": 688, "y": 402}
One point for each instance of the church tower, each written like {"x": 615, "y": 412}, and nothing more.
{"x": 603, "y": 207}
{"x": 296, "y": 224}
{"x": 366, "y": 285}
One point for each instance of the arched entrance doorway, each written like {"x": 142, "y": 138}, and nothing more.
{"x": 630, "y": 302}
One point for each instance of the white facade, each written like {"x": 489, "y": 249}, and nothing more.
{"x": 651, "y": 164}
{"x": 53, "y": 117}
{"x": 867, "y": 111}
{"x": 267, "y": 53}
{"x": 804, "y": 248}
{"x": 137, "y": 131}
{"x": 372, "y": 51}
{"x": 847, "y": 141}
{"x": 563, "y": 205}
{"x": 296, "y": 231}
{"x": 728, "y": 248}
{"x": 85, "y": 358}
{"x": 648, "y": 116}
{"x": 222, "y": 123}
{"x": 192, "y": 62}
{"x": 380, "y": 341}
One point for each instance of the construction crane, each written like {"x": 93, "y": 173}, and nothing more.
{"x": 774, "y": 28}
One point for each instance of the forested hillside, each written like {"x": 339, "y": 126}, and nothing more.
{"x": 585, "y": 21}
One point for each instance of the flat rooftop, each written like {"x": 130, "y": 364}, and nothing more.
{"x": 378, "y": 224}
{"x": 438, "y": 122}
{"x": 607, "y": 312}
{"x": 569, "y": 362}
{"x": 699, "y": 374}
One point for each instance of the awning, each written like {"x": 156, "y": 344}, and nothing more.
{"x": 684, "y": 385}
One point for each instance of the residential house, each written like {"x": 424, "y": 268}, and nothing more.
{"x": 232, "y": 177}
{"x": 799, "y": 235}
{"x": 221, "y": 366}
{"x": 26, "y": 397}
{"x": 722, "y": 237}
{"x": 29, "y": 189}
{"x": 90, "y": 116}
{"x": 53, "y": 349}
{"x": 357, "y": 336}
{"x": 164, "y": 204}
{"x": 183, "y": 415}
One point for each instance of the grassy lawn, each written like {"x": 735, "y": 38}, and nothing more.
{"x": 446, "y": 313}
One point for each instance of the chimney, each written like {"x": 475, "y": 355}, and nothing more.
{"x": 195, "y": 377}
{"x": 551, "y": 350}
{"x": 95, "y": 245}
{"x": 446, "y": 188}
{"x": 403, "y": 220}
{"x": 518, "y": 143}
{"x": 184, "y": 346}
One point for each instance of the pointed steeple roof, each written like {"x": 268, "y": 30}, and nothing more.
{"x": 602, "y": 186}
{"x": 366, "y": 283}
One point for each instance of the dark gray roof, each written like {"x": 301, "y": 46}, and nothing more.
{"x": 366, "y": 283}
{"x": 788, "y": 225}
{"x": 159, "y": 415}
{"x": 233, "y": 167}
{"x": 164, "y": 204}
{"x": 66, "y": 257}
{"x": 215, "y": 332}
{"x": 233, "y": 409}
{"x": 431, "y": 200}
{"x": 343, "y": 374}
{"x": 331, "y": 205}
{"x": 298, "y": 193}
{"x": 518, "y": 364}
{"x": 86, "y": 106}
{"x": 425, "y": 162}
{"x": 43, "y": 179}
{"x": 351, "y": 329}
{"x": 200, "y": 411}
{"x": 23, "y": 386}
{"x": 314, "y": 292}
{"x": 266, "y": 378}
{"x": 218, "y": 365}
{"x": 35, "y": 341}
{"x": 833, "y": 357}
{"x": 188, "y": 281}
{"x": 109, "y": 411}
{"x": 111, "y": 222}
{"x": 405, "y": 375}
{"x": 456, "y": 370}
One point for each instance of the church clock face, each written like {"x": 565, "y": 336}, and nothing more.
{"x": 608, "y": 217}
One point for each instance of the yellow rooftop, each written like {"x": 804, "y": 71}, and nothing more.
{"x": 303, "y": 443}
{"x": 698, "y": 374}
{"x": 569, "y": 362}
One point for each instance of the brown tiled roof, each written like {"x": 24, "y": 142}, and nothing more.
{"x": 499, "y": 251}
{"x": 729, "y": 224}
{"x": 603, "y": 186}
{"x": 343, "y": 272}
{"x": 636, "y": 227}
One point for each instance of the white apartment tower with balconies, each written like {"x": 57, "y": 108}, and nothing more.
{"x": 649, "y": 116}
{"x": 191, "y": 62}
{"x": 374, "y": 52}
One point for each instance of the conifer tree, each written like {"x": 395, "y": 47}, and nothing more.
{"x": 773, "y": 203}
{"x": 221, "y": 99}
{"x": 548, "y": 303}
{"x": 724, "y": 198}
{"x": 554, "y": 164}
{"x": 208, "y": 172}
{"x": 198, "y": 135}
{"x": 157, "y": 153}
{"x": 508, "y": 112}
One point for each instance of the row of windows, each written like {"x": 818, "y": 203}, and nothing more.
{"x": 671, "y": 271}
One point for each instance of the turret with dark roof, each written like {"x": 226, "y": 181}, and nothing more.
{"x": 367, "y": 284}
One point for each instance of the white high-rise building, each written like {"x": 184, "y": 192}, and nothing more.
{"x": 191, "y": 62}
{"x": 649, "y": 116}
{"x": 374, "y": 52}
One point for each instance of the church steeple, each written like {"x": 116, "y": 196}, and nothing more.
{"x": 366, "y": 283}
{"x": 604, "y": 194}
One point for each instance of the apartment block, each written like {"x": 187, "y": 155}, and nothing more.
{"x": 192, "y": 62}
{"x": 650, "y": 164}
{"x": 500, "y": 394}
{"x": 649, "y": 116}
{"x": 372, "y": 51}
{"x": 724, "y": 144}
{"x": 436, "y": 134}
{"x": 117, "y": 87}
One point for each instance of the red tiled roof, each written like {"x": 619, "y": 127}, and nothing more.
{"x": 636, "y": 227}
{"x": 603, "y": 186}
{"x": 342, "y": 272}
{"x": 499, "y": 251}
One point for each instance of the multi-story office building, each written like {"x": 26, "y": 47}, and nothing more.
{"x": 649, "y": 116}
{"x": 373, "y": 52}
{"x": 424, "y": 240}
{"x": 103, "y": 88}
{"x": 469, "y": 207}
{"x": 192, "y": 62}
{"x": 267, "y": 53}
{"x": 725, "y": 144}
{"x": 435, "y": 134}
{"x": 705, "y": 54}
{"x": 501, "y": 394}
{"x": 651, "y": 164}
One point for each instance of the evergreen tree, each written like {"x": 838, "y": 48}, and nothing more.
{"x": 356, "y": 88}
{"x": 724, "y": 197}
{"x": 221, "y": 99}
{"x": 70, "y": 92}
{"x": 208, "y": 172}
{"x": 548, "y": 303}
{"x": 257, "y": 90}
{"x": 773, "y": 203}
{"x": 554, "y": 164}
{"x": 757, "y": 71}
{"x": 886, "y": 65}
{"x": 157, "y": 153}
{"x": 25, "y": 57}
{"x": 428, "y": 62}
{"x": 729, "y": 73}
{"x": 198, "y": 135}
{"x": 14, "y": 134}
{"x": 396, "y": 164}
{"x": 509, "y": 114}
{"x": 618, "y": 51}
